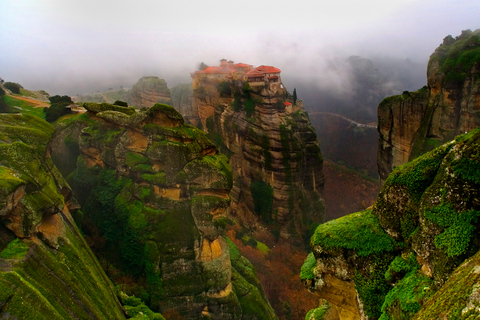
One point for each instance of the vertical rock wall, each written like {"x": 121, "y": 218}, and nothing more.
{"x": 416, "y": 122}
{"x": 273, "y": 150}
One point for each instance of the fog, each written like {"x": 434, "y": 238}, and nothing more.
{"x": 70, "y": 47}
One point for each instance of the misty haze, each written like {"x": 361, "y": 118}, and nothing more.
{"x": 256, "y": 160}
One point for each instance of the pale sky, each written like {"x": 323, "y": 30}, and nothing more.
{"x": 68, "y": 47}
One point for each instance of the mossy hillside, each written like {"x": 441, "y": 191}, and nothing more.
{"x": 458, "y": 297}
{"x": 100, "y": 107}
{"x": 360, "y": 232}
{"x": 24, "y": 107}
{"x": 151, "y": 236}
{"x": 81, "y": 288}
{"x": 247, "y": 287}
{"x": 306, "y": 272}
{"x": 450, "y": 209}
{"x": 23, "y": 164}
{"x": 397, "y": 206}
{"x": 457, "y": 56}
{"x": 318, "y": 313}
{"x": 409, "y": 293}
{"x": 27, "y": 129}
{"x": 214, "y": 172}
{"x": 406, "y": 97}
{"x": 367, "y": 248}
{"x": 136, "y": 309}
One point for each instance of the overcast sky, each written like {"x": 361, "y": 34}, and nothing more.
{"x": 68, "y": 47}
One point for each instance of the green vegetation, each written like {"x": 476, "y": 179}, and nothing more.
{"x": 120, "y": 103}
{"x": 458, "y": 228}
{"x": 360, "y": 231}
{"x": 34, "y": 267}
{"x": 458, "y": 57}
{"x": 224, "y": 89}
{"x": 400, "y": 266}
{"x": 16, "y": 249}
{"x": 306, "y": 273}
{"x": 318, "y": 313}
{"x": 371, "y": 285}
{"x": 136, "y": 308}
{"x": 57, "y": 107}
{"x": 100, "y": 107}
{"x": 13, "y": 87}
{"x": 404, "y": 300}
{"x": 262, "y": 194}
{"x": 247, "y": 287}
{"x": 418, "y": 175}
{"x": 17, "y": 105}
{"x": 249, "y": 107}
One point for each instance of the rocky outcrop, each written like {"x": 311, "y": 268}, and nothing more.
{"x": 148, "y": 91}
{"x": 154, "y": 193}
{"x": 413, "y": 254}
{"x": 273, "y": 149}
{"x": 182, "y": 100}
{"x": 47, "y": 271}
{"x": 416, "y": 122}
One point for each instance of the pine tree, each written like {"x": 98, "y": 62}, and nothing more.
{"x": 294, "y": 96}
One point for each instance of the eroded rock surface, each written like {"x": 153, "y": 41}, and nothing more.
{"x": 415, "y": 122}
{"x": 418, "y": 245}
{"x": 273, "y": 148}
{"x": 157, "y": 190}
{"x": 47, "y": 270}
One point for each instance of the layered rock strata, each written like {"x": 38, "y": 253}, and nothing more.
{"x": 157, "y": 191}
{"x": 148, "y": 91}
{"x": 273, "y": 149}
{"x": 47, "y": 270}
{"x": 415, "y": 122}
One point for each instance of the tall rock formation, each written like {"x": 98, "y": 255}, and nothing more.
{"x": 273, "y": 150}
{"x": 154, "y": 193}
{"x": 415, "y": 122}
{"x": 148, "y": 91}
{"x": 415, "y": 254}
{"x": 47, "y": 270}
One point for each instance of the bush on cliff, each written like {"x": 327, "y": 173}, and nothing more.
{"x": 262, "y": 194}
{"x": 57, "y": 107}
{"x": 12, "y": 86}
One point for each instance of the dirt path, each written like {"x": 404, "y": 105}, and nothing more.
{"x": 36, "y": 103}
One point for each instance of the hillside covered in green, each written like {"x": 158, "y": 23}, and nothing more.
{"x": 413, "y": 255}
{"x": 47, "y": 270}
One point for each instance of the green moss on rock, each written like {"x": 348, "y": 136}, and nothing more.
{"x": 101, "y": 107}
{"x": 359, "y": 231}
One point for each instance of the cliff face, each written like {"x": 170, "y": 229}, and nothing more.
{"x": 413, "y": 255}
{"x": 273, "y": 150}
{"x": 148, "y": 91}
{"x": 154, "y": 194}
{"x": 47, "y": 271}
{"x": 416, "y": 122}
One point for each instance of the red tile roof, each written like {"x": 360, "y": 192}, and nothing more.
{"x": 243, "y": 65}
{"x": 254, "y": 73}
{"x": 268, "y": 69}
{"x": 288, "y": 103}
{"x": 217, "y": 70}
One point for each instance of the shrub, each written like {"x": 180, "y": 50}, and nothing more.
{"x": 224, "y": 89}
{"x": 57, "y": 107}
{"x": 262, "y": 194}
{"x": 249, "y": 107}
{"x": 120, "y": 103}
{"x": 12, "y": 86}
